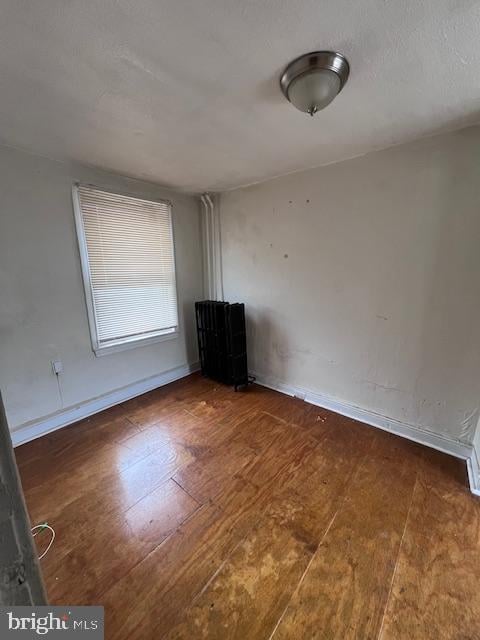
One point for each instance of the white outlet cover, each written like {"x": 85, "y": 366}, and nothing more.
{"x": 57, "y": 366}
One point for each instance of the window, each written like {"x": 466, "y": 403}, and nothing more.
{"x": 127, "y": 254}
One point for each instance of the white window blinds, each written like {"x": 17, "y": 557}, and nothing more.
{"x": 128, "y": 262}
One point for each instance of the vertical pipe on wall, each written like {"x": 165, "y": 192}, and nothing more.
{"x": 219, "y": 247}
{"x": 216, "y": 246}
{"x": 213, "y": 277}
{"x": 206, "y": 250}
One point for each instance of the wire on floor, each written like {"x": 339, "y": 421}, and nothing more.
{"x": 38, "y": 528}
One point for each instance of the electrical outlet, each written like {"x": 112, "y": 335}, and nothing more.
{"x": 57, "y": 367}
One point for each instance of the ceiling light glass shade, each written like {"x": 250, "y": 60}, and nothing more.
{"x": 314, "y": 90}
{"x": 312, "y": 81}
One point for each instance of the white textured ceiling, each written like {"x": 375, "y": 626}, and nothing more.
{"x": 185, "y": 92}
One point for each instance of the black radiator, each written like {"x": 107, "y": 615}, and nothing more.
{"x": 222, "y": 343}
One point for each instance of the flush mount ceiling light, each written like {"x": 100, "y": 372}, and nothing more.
{"x": 313, "y": 80}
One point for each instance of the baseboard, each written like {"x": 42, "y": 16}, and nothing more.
{"x": 45, "y": 425}
{"x": 422, "y": 436}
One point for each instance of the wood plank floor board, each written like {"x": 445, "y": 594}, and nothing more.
{"x": 121, "y": 541}
{"x": 435, "y": 592}
{"x": 172, "y": 398}
{"x": 292, "y": 521}
{"x": 345, "y": 589}
{"x": 293, "y": 410}
{"x": 176, "y": 572}
{"x": 190, "y": 431}
{"x": 75, "y": 521}
{"x": 121, "y": 473}
{"x": 305, "y": 464}
{"x": 69, "y": 451}
{"x": 204, "y": 478}
{"x": 246, "y": 597}
{"x": 267, "y": 430}
{"x": 156, "y": 516}
{"x": 217, "y": 403}
{"x": 280, "y": 465}
{"x": 318, "y": 486}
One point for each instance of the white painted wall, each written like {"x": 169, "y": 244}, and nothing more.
{"x": 362, "y": 280}
{"x": 42, "y": 304}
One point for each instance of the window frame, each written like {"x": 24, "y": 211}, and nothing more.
{"x": 123, "y": 343}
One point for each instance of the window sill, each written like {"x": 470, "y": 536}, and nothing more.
{"x": 134, "y": 344}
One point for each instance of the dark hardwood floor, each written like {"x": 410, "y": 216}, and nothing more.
{"x": 196, "y": 512}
